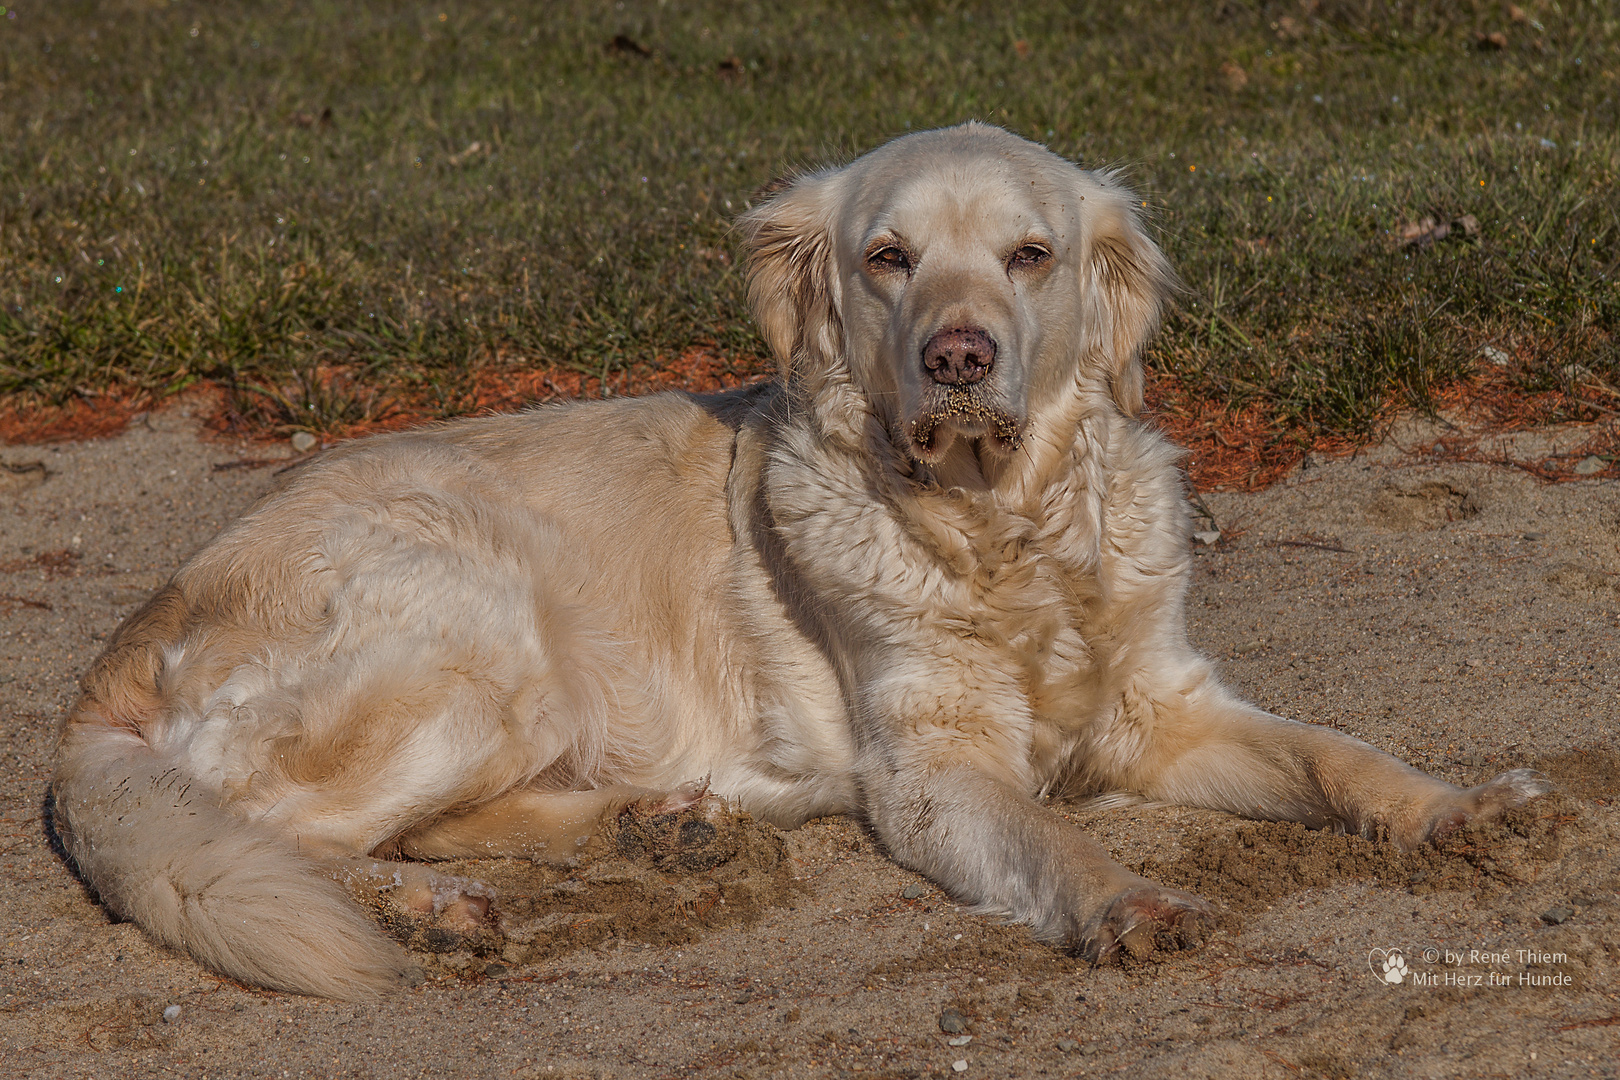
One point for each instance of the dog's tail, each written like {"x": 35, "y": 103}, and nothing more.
{"x": 166, "y": 855}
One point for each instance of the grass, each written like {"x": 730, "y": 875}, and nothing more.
{"x": 415, "y": 196}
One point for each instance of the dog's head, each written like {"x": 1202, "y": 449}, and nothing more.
{"x": 960, "y": 282}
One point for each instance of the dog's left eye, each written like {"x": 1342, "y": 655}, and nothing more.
{"x": 1028, "y": 257}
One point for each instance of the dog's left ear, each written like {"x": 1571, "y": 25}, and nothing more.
{"x": 1130, "y": 282}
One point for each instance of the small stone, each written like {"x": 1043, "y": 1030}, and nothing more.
{"x": 1208, "y": 537}
{"x": 495, "y": 971}
{"x": 1554, "y": 916}
{"x": 1495, "y": 355}
{"x": 959, "y": 1065}
{"x": 1535, "y": 536}
{"x": 1589, "y": 466}
{"x": 1473, "y": 661}
{"x": 960, "y": 1040}
{"x": 304, "y": 442}
{"x": 171, "y": 1014}
{"x": 912, "y": 891}
{"x": 952, "y": 1022}
{"x": 1249, "y": 647}
{"x": 743, "y": 998}
{"x": 1068, "y": 1046}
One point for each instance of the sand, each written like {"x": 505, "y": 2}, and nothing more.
{"x": 1463, "y": 617}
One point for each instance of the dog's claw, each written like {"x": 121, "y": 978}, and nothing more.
{"x": 1489, "y": 801}
{"x": 1515, "y": 787}
{"x": 687, "y": 795}
{"x": 1145, "y": 919}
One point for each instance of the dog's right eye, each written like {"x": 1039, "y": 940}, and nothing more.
{"x": 889, "y": 258}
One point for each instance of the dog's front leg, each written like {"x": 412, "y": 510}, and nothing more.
{"x": 1198, "y": 745}
{"x": 945, "y": 795}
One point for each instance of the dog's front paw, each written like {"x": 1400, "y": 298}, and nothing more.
{"x": 1486, "y": 802}
{"x": 1143, "y": 919}
{"x": 686, "y": 831}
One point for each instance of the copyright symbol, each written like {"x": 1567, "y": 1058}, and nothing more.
{"x": 1431, "y": 955}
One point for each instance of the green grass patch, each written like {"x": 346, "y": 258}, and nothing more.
{"x": 250, "y": 193}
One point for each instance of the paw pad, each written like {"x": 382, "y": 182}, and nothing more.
{"x": 697, "y": 837}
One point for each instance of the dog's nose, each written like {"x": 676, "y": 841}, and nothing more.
{"x": 960, "y": 356}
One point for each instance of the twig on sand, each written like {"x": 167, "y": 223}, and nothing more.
{"x": 1312, "y": 544}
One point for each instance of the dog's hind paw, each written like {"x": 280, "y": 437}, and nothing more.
{"x": 1488, "y": 801}
{"x": 1145, "y": 919}
{"x": 423, "y": 909}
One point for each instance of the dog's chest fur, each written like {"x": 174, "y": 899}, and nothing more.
{"x": 1009, "y": 596}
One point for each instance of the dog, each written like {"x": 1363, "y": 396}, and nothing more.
{"x": 932, "y": 572}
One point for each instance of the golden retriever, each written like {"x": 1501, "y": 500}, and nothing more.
{"x": 932, "y": 572}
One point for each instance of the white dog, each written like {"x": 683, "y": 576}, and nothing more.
{"x": 933, "y": 571}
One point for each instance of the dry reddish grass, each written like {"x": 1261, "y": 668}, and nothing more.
{"x": 507, "y": 388}
{"x": 1249, "y": 448}
{"x": 98, "y": 417}
{"x": 1232, "y": 450}
{"x": 1242, "y": 449}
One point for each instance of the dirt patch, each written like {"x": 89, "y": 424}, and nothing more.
{"x": 1588, "y": 772}
{"x": 661, "y": 880}
{"x": 1425, "y": 506}
{"x": 1258, "y": 862}
{"x": 59, "y": 563}
{"x": 128, "y": 1021}
{"x": 21, "y": 475}
{"x": 1579, "y": 582}
{"x": 993, "y": 950}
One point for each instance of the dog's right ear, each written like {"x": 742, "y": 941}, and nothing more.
{"x": 792, "y": 284}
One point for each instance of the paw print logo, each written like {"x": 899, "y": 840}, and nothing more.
{"x": 1389, "y": 965}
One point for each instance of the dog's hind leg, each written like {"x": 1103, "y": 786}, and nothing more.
{"x": 564, "y": 827}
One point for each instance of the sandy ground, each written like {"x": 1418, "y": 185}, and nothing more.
{"x": 1462, "y": 617}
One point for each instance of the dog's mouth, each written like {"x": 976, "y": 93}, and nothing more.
{"x": 959, "y": 411}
